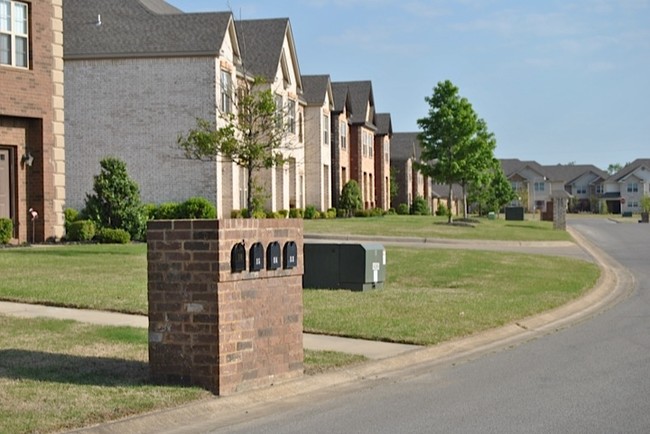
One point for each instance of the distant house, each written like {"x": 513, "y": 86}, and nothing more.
{"x": 529, "y": 181}
{"x": 363, "y": 127}
{"x": 32, "y": 154}
{"x": 382, "y": 160}
{"x": 318, "y": 140}
{"x": 582, "y": 181}
{"x": 623, "y": 191}
{"x": 269, "y": 51}
{"x": 406, "y": 150}
{"x": 340, "y": 139}
{"x": 139, "y": 73}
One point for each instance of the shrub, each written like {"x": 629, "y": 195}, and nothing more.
{"x": 402, "y": 209}
{"x": 6, "y": 230}
{"x": 331, "y": 213}
{"x": 391, "y": 211}
{"x": 442, "y": 210}
{"x": 71, "y": 215}
{"x": 363, "y": 213}
{"x": 237, "y": 213}
{"x": 311, "y": 212}
{"x": 115, "y": 202}
{"x": 113, "y": 236}
{"x": 259, "y": 214}
{"x": 350, "y": 199}
{"x": 419, "y": 206}
{"x": 80, "y": 230}
{"x": 273, "y": 215}
{"x": 197, "y": 208}
{"x": 284, "y": 213}
{"x": 377, "y": 212}
{"x": 149, "y": 211}
{"x": 296, "y": 213}
{"x": 167, "y": 211}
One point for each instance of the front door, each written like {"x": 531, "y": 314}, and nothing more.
{"x": 5, "y": 184}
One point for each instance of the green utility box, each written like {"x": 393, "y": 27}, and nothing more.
{"x": 358, "y": 267}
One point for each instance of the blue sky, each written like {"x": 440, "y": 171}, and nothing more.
{"x": 557, "y": 81}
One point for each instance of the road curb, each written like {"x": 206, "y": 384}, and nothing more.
{"x": 614, "y": 285}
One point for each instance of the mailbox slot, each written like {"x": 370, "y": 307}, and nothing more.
{"x": 256, "y": 257}
{"x": 290, "y": 254}
{"x": 273, "y": 256}
{"x": 238, "y": 258}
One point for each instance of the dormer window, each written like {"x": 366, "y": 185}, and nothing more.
{"x": 14, "y": 34}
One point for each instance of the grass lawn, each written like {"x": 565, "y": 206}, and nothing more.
{"x": 436, "y": 227}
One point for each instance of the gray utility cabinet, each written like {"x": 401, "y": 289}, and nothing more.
{"x": 357, "y": 267}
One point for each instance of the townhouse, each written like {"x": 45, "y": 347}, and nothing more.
{"x": 383, "y": 138}
{"x": 623, "y": 191}
{"x": 32, "y": 149}
{"x": 340, "y": 139}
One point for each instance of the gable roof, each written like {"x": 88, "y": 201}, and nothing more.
{"x": 629, "y": 169}
{"x": 571, "y": 172}
{"x": 341, "y": 93}
{"x": 316, "y": 88}
{"x": 141, "y": 28}
{"x": 261, "y": 43}
{"x": 361, "y": 97}
{"x": 384, "y": 124}
{"x": 514, "y": 166}
{"x": 404, "y": 146}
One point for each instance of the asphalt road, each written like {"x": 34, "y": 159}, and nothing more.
{"x": 592, "y": 377}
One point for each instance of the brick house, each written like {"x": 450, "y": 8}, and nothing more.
{"x": 363, "y": 127}
{"x": 139, "y": 73}
{"x": 406, "y": 150}
{"x": 32, "y": 154}
{"x": 318, "y": 140}
{"x": 382, "y": 160}
{"x": 340, "y": 139}
{"x": 269, "y": 51}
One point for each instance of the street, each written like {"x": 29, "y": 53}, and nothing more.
{"x": 591, "y": 377}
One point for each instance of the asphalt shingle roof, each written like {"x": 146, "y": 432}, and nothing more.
{"x": 360, "y": 93}
{"x": 629, "y": 168}
{"x": 260, "y": 42}
{"x": 341, "y": 93}
{"x": 384, "y": 124}
{"x": 404, "y": 146}
{"x": 315, "y": 88}
{"x": 139, "y": 28}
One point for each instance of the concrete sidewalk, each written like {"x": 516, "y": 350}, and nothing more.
{"x": 371, "y": 349}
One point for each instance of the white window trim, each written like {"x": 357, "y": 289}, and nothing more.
{"x": 12, "y": 34}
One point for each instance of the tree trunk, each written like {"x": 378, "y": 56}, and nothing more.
{"x": 449, "y": 202}
{"x": 249, "y": 183}
{"x": 464, "y": 185}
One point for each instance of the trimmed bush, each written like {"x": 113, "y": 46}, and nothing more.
{"x": 113, "y": 236}
{"x": 331, "y": 213}
{"x": 350, "y": 199}
{"x": 419, "y": 206}
{"x": 71, "y": 215}
{"x": 259, "y": 214}
{"x": 402, "y": 209}
{"x": 6, "y": 230}
{"x": 442, "y": 210}
{"x": 284, "y": 213}
{"x": 296, "y": 213}
{"x": 238, "y": 213}
{"x": 197, "y": 208}
{"x": 167, "y": 211}
{"x": 81, "y": 230}
{"x": 311, "y": 212}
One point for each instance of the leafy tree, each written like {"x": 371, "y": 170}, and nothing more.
{"x": 252, "y": 135}
{"x": 350, "y": 199}
{"x": 116, "y": 202}
{"x": 394, "y": 186}
{"x": 494, "y": 191}
{"x": 456, "y": 145}
{"x": 613, "y": 168}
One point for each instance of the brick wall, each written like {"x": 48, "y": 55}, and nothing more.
{"x": 217, "y": 329}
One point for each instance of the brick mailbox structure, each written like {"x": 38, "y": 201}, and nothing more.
{"x": 213, "y": 324}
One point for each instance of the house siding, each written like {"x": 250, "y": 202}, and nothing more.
{"x": 318, "y": 157}
{"x": 134, "y": 109}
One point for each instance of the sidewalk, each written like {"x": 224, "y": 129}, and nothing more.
{"x": 370, "y": 349}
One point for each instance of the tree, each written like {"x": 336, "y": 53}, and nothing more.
{"x": 115, "y": 203}
{"x": 252, "y": 135}
{"x": 613, "y": 168}
{"x": 350, "y": 199}
{"x": 456, "y": 145}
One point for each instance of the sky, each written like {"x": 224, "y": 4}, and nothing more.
{"x": 556, "y": 81}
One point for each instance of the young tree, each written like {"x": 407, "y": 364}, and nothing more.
{"x": 252, "y": 135}
{"x": 613, "y": 168}
{"x": 350, "y": 199}
{"x": 456, "y": 144}
{"x": 494, "y": 191}
{"x": 115, "y": 203}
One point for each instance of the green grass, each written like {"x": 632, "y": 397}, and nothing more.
{"x": 437, "y": 227}
{"x": 104, "y": 277}
{"x": 58, "y": 375}
{"x": 433, "y": 296}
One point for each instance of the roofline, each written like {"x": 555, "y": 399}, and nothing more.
{"x": 147, "y": 55}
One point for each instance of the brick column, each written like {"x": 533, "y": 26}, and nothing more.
{"x": 222, "y": 330}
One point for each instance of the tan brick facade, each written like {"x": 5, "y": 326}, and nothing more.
{"x": 222, "y": 330}
{"x": 31, "y": 121}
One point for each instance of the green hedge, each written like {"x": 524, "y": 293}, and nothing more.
{"x": 113, "y": 236}
{"x": 80, "y": 230}
{"x": 6, "y": 230}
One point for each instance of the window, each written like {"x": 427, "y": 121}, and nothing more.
{"x": 343, "y": 127}
{"x": 326, "y": 129}
{"x": 291, "y": 116}
{"x": 540, "y": 186}
{"x": 581, "y": 189}
{"x": 633, "y": 187}
{"x": 300, "y": 130}
{"x": 14, "y": 38}
{"x": 599, "y": 189}
{"x": 226, "y": 92}
{"x": 279, "y": 102}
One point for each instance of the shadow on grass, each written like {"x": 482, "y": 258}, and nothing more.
{"x": 69, "y": 369}
{"x": 536, "y": 227}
